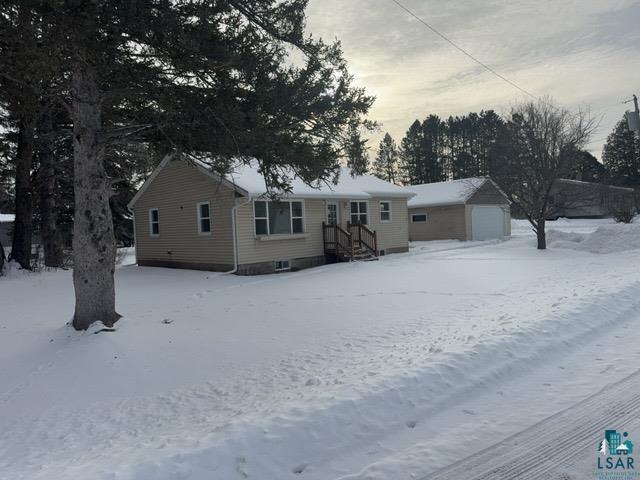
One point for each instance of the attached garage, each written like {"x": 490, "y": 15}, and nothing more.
{"x": 465, "y": 209}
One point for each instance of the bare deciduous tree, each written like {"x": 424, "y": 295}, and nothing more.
{"x": 543, "y": 142}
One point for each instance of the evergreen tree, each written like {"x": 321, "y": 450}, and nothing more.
{"x": 587, "y": 168}
{"x": 356, "y": 151}
{"x": 411, "y": 155}
{"x": 621, "y": 156}
{"x": 604, "y": 447}
{"x": 386, "y": 163}
{"x": 210, "y": 78}
{"x": 434, "y": 164}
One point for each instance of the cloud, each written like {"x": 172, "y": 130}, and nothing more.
{"x": 581, "y": 52}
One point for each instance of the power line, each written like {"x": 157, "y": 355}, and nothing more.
{"x": 459, "y": 48}
{"x": 479, "y": 62}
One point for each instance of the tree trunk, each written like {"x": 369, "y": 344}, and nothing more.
{"x": 23, "y": 225}
{"x": 94, "y": 246}
{"x": 51, "y": 235}
{"x": 541, "y": 234}
{"x": 2, "y": 257}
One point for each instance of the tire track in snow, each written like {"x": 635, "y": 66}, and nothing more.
{"x": 534, "y": 454}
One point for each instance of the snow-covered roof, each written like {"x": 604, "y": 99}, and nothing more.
{"x": 249, "y": 179}
{"x": 454, "y": 192}
{"x": 7, "y": 217}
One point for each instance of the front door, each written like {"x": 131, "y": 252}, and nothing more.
{"x": 332, "y": 213}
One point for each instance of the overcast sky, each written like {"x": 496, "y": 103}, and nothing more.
{"x": 581, "y": 52}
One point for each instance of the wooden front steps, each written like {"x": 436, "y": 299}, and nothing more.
{"x": 356, "y": 244}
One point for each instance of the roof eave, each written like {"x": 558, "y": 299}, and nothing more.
{"x": 439, "y": 204}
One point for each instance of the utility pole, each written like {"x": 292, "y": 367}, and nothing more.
{"x": 633, "y": 118}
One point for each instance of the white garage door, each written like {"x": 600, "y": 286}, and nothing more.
{"x": 487, "y": 223}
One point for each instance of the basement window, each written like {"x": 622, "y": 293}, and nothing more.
{"x": 281, "y": 265}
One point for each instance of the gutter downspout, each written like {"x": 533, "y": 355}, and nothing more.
{"x": 234, "y": 229}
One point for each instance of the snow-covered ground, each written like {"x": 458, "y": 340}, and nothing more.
{"x": 378, "y": 370}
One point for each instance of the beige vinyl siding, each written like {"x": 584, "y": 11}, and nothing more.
{"x": 255, "y": 249}
{"x": 443, "y": 223}
{"x": 176, "y": 192}
{"x": 394, "y": 235}
{"x": 487, "y": 194}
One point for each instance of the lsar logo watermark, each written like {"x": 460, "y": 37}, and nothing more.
{"x": 615, "y": 459}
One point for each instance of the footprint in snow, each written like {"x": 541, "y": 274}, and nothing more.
{"x": 468, "y": 412}
{"x": 300, "y": 468}
{"x": 411, "y": 423}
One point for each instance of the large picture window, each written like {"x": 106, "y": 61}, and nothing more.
{"x": 278, "y": 218}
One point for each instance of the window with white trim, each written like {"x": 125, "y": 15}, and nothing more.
{"x": 281, "y": 265}
{"x": 419, "y": 217}
{"x": 285, "y": 217}
{"x": 359, "y": 213}
{"x": 154, "y": 222}
{"x": 332, "y": 213}
{"x": 204, "y": 218}
{"x": 385, "y": 212}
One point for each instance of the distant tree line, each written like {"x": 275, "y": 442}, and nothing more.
{"x": 525, "y": 152}
{"x": 478, "y": 144}
{"x": 472, "y": 145}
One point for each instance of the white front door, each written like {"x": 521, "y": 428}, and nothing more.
{"x": 487, "y": 223}
{"x": 333, "y": 214}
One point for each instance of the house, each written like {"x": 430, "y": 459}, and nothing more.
{"x": 625, "y": 448}
{"x": 6, "y": 229}
{"x": 465, "y": 209}
{"x": 187, "y": 216}
{"x": 578, "y": 199}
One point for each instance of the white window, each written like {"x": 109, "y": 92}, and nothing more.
{"x": 359, "y": 213}
{"x": 154, "y": 222}
{"x": 419, "y": 217}
{"x": 385, "y": 212}
{"x": 278, "y": 218}
{"x": 204, "y": 218}
{"x": 332, "y": 213}
{"x": 281, "y": 265}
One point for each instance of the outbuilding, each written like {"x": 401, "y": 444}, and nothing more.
{"x": 464, "y": 209}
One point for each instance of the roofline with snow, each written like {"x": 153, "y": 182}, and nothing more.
{"x": 462, "y": 201}
{"x": 571, "y": 181}
{"x": 367, "y": 195}
{"x": 165, "y": 161}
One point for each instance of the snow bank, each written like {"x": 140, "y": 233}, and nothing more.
{"x": 605, "y": 239}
